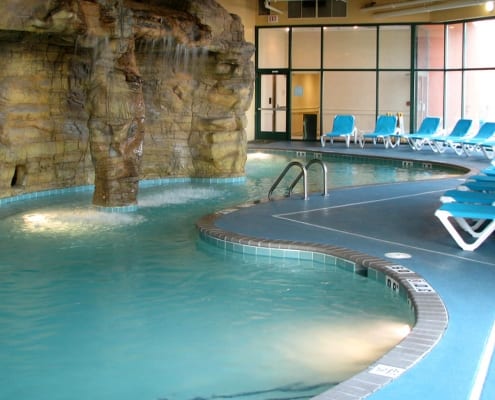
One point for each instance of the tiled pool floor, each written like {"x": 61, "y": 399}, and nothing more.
{"x": 399, "y": 218}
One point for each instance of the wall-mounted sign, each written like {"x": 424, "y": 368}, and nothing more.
{"x": 272, "y": 19}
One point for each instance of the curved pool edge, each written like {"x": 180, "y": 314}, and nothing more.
{"x": 407, "y": 160}
{"x": 430, "y": 311}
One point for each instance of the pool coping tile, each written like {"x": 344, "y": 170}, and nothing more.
{"x": 430, "y": 311}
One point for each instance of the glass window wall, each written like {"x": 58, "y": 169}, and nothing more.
{"x": 316, "y": 9}
{"x": 454, "y": 46}
{"x": 478, "y": 96}
{"x": 368, "y": 70}
{"x": 332, "y": 8}
{"x": 430, "y": 41}
{"x": 453, "y": 98}
{"x": 306, "y": 48}
{"x": 349, "y": 47}
{"x": 395, "y": 47}
{"x": 349, "y": 92}
{"x": 305, "y": 104}
{"x": 429, "y": 94}
{"x": 479, "y": 39}
{"x": 273, "y": 48}
{"x": 393, "y": 94}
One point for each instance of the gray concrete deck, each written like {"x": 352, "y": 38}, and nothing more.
{"x": 365, "y": 224}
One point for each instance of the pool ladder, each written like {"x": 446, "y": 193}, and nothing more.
{"x": 303, "y": 174}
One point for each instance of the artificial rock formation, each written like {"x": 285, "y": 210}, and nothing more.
{"x": 110, "y": 92}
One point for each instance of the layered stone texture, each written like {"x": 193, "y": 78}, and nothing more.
{"x": 110, "y": 92}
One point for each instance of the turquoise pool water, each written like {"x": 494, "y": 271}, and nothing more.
{"x": 264, "y": 167}
{"x": 97, "y": 305}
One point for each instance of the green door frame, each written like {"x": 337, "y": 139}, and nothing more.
{"x": 265, "y": 106}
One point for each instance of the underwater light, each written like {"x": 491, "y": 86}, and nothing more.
{"x": 259, "y": 156}
{"x": 76, "y": 222}
{"x": 40, "y": 222}
{"x": 35, "y": 219}
{"x": 403, "y": 331}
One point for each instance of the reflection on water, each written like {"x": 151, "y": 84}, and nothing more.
{"x": 354, "y": 342}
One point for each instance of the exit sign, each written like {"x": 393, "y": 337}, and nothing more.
{"x": 272, "y": 19}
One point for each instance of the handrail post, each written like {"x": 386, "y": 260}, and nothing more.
{"x": 281, "y": 176}
{"x": 325, "y": 173}
{"x": 305, "y": 183}
{"x": 303, "y": 174}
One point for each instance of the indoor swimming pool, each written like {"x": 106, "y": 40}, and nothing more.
{"x": 134, "y": 306}
{"x": 263, "y": 167}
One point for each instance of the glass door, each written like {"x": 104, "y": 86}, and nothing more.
{"x": 272, "y": 113}
{"x": 305, "y": 105}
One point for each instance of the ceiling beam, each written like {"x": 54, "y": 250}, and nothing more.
{"x": 392, "y": 6}
{"x": 404, "y": 7}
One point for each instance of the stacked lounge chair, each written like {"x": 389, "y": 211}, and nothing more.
{"x": 467, "y": 144}
{"x": 459, "y": 132}
{"x": 488, "y": 149}
{"x": 484, "y": 141}
{"x": 429, "y": 128}
{"x": 468, "y": 213}
{"x": 490, "y": 171}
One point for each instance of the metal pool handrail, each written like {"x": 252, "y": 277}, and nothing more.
{"x": 324, "y": 170}
{"x": 303, "y": 174}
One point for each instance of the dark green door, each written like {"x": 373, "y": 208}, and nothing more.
{"x": 272, "y": 114}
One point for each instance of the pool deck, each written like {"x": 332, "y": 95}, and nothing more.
{"x": 398, "y": 218}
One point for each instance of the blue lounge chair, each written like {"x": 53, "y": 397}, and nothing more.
{"x": 460, "y": 131}
{"x": 488, "y": 149}
{"x": 477, "y": 186}
{"x": 468, "y": 196}
{"x": 483, "y": 141}
{"x": 385, "y": 129}
{"x": 481, "y": 178}
{"x": 461, "y": 213}
{"x": 489, "y": 170}
{"x": 343, "y": 126}
{"x": 467, "y": 145}
{"x": 428, "y": 129}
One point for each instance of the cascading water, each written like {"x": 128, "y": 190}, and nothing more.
{"x": 86, "y": 81}
{"x": 171, "y": 54}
